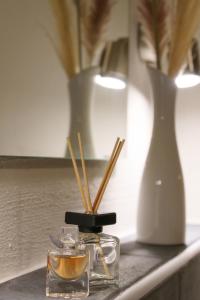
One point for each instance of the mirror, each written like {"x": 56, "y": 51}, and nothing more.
{"x": 36, "y": 113}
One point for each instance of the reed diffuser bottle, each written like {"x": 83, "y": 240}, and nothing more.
{"x": 104, "y": 249}
{"x": 67, "y": 266}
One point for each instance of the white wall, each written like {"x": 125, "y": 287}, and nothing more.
{"x": 188, "y": 134}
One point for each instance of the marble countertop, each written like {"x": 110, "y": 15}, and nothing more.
{"x": 142, "y": 268}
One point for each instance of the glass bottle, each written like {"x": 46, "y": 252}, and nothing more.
{"x": 104, "y": 249}
{"x": 67, "y": 266}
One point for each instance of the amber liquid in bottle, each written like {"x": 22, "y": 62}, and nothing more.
{"x": 67, "y": 267}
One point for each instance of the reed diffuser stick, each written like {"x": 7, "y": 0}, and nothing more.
{"x": 85, "y": 175}
{"x": 115, "y": 148}
{"x": 77, "y": 174}
{"x": 107, "y": 168}
{"x": 107, "y": 176}
{"x": 102, "y": 257}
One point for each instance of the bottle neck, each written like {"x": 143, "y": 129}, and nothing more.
{"x": 90, "y": 229}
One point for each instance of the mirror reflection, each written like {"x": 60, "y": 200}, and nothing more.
{"x": 49, "y": 86}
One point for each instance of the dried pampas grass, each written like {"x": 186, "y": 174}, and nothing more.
{"x": 153, "y": 17}
{"x": 94, "y": 21}
{"x": 78, "y": 48}
{"x": 185, "y": 27}
{"x": 66, "y": 50}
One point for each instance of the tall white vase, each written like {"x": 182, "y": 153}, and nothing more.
{"x": 161, "y": 211}
{"x": 81, "y": 88}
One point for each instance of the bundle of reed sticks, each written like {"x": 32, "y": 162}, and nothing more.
{"x": 169, "y": 27}
{"x": 84, "y": 187}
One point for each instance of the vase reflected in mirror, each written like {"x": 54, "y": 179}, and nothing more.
{"x": 81, "y": 91}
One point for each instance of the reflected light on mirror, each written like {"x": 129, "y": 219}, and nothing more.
{"x": 187, "y": 80}
{"x": 114, "y": 65}
{"x": 110, "y": 82}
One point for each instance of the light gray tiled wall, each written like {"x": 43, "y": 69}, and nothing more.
{"x": 34, "y": 195}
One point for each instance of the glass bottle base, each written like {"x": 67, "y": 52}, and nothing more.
{"x": 77, "y": 295}
{"x": 102, "y": 281}
{"x": 68, "y": 289}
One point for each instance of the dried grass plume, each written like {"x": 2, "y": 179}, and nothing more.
{"x": 185, "y": 27}
{"x": 94, "y": 22}
{"x": 153, "y": 17}
{"x": 66, "y": 50}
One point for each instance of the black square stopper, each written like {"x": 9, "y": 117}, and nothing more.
{"x": 90, "y": 222}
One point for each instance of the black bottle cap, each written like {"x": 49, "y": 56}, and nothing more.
{"x": 92, "y": 223}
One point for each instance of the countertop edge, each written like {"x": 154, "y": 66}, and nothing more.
{"x": 159, "y": 275}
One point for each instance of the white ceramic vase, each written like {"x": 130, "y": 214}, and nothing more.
{"x": 81, "y": 88}
{"x": 161, "y": 210}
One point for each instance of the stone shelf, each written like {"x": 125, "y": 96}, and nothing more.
{"x": 143, "y": 268}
